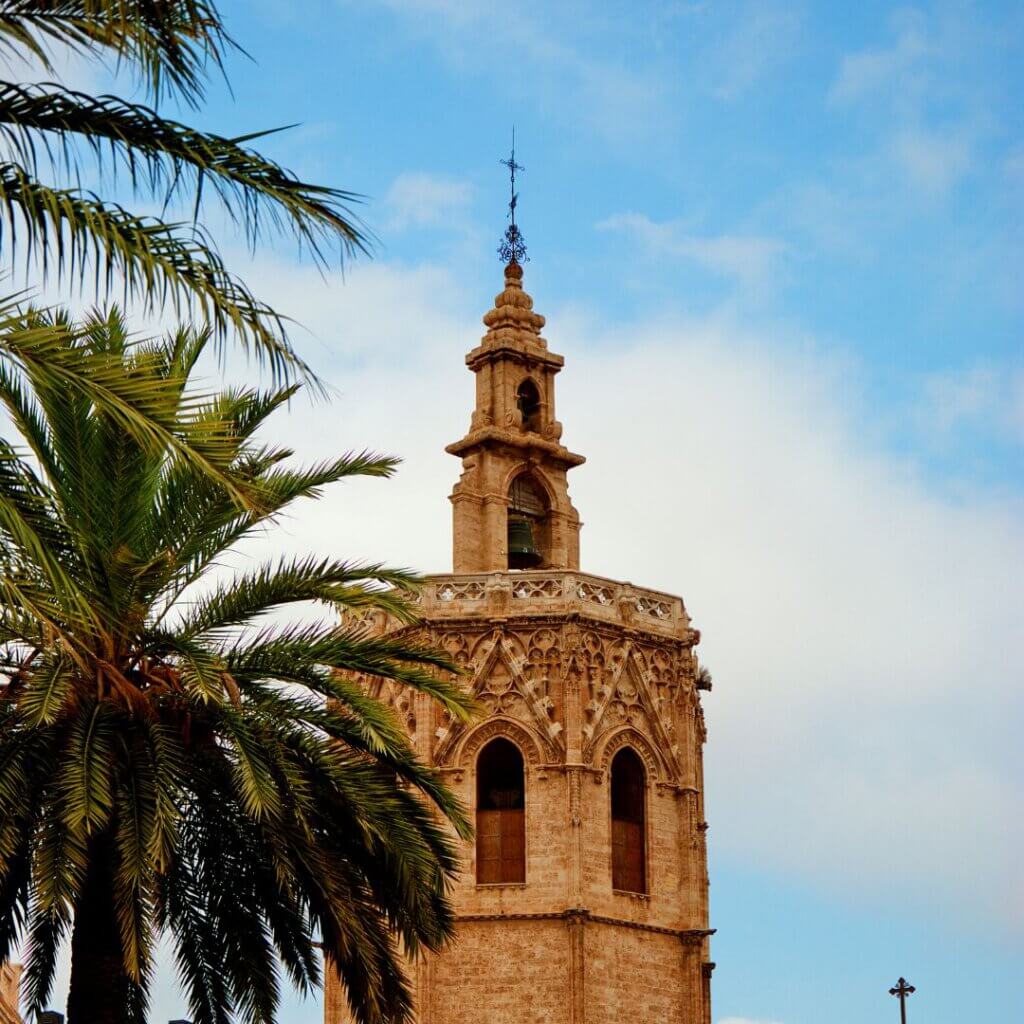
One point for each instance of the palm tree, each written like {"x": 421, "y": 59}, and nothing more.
{"x": 170, "y": 45}
{"x": 176, "y": 760}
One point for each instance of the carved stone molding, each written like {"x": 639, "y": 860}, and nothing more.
{"x": 509, "y": 728}
{"x": 513, "y": 674}
{"x": 613, "y": 742}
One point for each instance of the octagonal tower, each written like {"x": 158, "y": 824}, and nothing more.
{"x": 583, "y": 898}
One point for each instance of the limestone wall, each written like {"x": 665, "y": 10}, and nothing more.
{"x": 571, "y": 669}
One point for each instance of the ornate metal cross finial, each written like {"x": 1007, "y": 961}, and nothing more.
{"x": 902, "y": 989}
{"x": 513, "y": 246}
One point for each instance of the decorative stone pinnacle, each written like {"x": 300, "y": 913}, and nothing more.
{"x": 513, "y": 307}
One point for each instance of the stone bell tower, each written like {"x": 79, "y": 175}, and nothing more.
{"x": 583, "y": 898}
{"x": 514, "y": 465}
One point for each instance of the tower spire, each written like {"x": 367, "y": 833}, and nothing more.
{"x": 511, "y": 505}
{"x": 513, "y": 246}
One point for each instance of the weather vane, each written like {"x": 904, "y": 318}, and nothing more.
{"x": 513, "y": 245}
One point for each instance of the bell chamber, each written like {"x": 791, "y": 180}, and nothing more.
{"x": 522, "y": 549}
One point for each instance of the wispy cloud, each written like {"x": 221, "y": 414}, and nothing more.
{"x": 866, "y": 72}
{"x": 985, "y": 398}
{"x": 933, "y": 161}
{"x": 71, "y": 69}
{"x": 761, "y": 38}
{"x": 419, "y": 200}
{"x": 748, "y": 258}
{"x": 927, "y": 114}
{"x": 614, "y": 98}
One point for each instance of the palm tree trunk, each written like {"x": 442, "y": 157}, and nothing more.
{"x": 99, "y": 987}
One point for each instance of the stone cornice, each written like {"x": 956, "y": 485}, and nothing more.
{"x": 506, "y": 345}
{"x": 583, "y": 916}
{"x": 516, "y": 440}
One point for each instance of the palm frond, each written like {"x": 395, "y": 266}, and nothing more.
{"x": 53, "y": 358}
{"x": 170, "y": 44}
{"x": 163, "y": 158}
{"x": 152, "y": 262}
{"x": 87, "y": 778}
{"x": 347, "y": 585}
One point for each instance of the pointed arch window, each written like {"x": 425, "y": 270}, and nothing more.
{"x": 629, "y": 855}
{"x": 528, "y": 401}
{"x": 527, "y": 523}
{"x": 500, "y": 814}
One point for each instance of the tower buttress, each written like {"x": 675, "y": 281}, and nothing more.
{"x": 513, "y": 492}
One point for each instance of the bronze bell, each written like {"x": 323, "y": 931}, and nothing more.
{"x": 522, "y": 552}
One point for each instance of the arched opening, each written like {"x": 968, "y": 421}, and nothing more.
{"x": 527, "y": 523}
{"x": 629, "y": 872}
{"x": 500, "y": 814}
{"x": 528, "y": 401}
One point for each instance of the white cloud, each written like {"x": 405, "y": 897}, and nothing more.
{"x": 72, "y": 70}
{"x": 421, "y": 200}
{"x": 933, "y": 161}
{"x": 749, "y": 258}
{"x": 982, "y": 396}
{"x": 869, "y": 71}
{"x": 761, "y": 37}
{"x": 928, "y": 108}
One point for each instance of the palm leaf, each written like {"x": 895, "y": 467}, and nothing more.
{"x": 164, "y": 157}
{"x": 291, "y": 581}
{"x": 154, "y": 263}
{"x": 170, "y": 43}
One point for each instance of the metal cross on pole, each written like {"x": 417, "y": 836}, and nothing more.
{"x": 513, "y": 246}
{"x": 902, "y": 990}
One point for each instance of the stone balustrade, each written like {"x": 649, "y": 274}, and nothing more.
{"x": 554, "y": 592}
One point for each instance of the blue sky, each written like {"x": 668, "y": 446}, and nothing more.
{"x": 852, "y": 171}
{"x": 781, "y": 245}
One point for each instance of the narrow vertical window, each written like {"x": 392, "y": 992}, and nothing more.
{"x": 629, "y": 872}
{"x": 528, "y": 401}
{"x": 500, "y": 818}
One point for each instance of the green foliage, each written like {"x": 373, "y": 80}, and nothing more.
{"x": 174, "y": 747}
{"x": 170, "y": 45}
